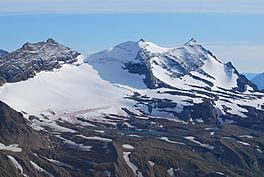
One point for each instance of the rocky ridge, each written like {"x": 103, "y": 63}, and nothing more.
{"x": 30, "y": 59}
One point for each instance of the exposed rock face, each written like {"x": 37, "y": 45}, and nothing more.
{"x": 15, "y": 129}
{"x": 21, "y": 143}
{"x": 30, "y": 59}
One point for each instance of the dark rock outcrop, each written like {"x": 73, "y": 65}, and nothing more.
{"x": 15, "y": 129}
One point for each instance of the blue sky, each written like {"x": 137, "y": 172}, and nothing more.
{"x": 233, "y": 30}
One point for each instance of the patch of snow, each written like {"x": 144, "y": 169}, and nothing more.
{"x": 75, "y": 145}
{"x": 244, "y": 143}
{"x": 212, "y": 133}
{"x": 128, "y": 125}
{"x": 136, "y": 136}
{"x": 40, "y": 125}
{"x": 151, "y": 163}
{"x": 95, "y": 138}
{"x": 171, "y": 171}
{"x": 220, "y": 173}
{"x": 246, "y": 136}
{"x": 192, "y": 139}
{"x": 56, "y": 162}
{"x": 211, "y": 128}
{"x": 127, "y": 146}
{"x": 233, "y": 139}
{"x": 16, "y": 164}
{"x": 229, "y": 138}
{"x": 140, "y": 174}
{"x": 99, "y": 131}
{"x": 167, "y": 140}
{"x": 12, "y": 147}
{"x": 38, "y": 168}
{"x": 132, "y": 166}
{"x": 200, "y": 120}
{"x": 259, "y": 150}
{"x": 191, "y": 121}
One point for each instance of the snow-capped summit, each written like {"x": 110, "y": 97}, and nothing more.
{"x": 146, "y": 63}
{"x": 192, "y": 41}
{"x": 51, "y": 41}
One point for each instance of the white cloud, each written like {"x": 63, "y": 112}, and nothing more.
{"x": 245, "y": 57}
{"x": 131, "y": 6}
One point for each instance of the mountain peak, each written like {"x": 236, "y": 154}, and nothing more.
{"x": 142, "y": 40}
{"x": 32, "y": 58}
{"x": 51, "y": 41}
{"x": 31, "y": 46}
{"x": 192, "y": 41}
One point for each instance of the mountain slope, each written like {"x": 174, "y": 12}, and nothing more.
{"x": 14, "y": 129}
{"x": 17, "y": 141}
{"x": 250, "y": 76}
{"x": 3, "y": 53}
{"x": 259, "y": 81}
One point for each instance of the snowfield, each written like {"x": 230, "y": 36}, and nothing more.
{"x": 69, "y": 89}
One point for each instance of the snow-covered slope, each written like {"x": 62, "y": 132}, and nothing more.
{"x": 67, "y": 92}
{"x": 71, "y": 88}
{"x": 259, "y": 81}
{"x": 108, "y": 63}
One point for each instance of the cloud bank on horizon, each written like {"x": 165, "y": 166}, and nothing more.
{"x": 131, "y": 6}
